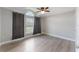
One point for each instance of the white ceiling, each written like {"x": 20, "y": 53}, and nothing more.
{"x": 53, "y": 10}
{"x": 59, "y": 10}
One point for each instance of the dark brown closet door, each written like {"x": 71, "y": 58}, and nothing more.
{"x": 18, "y": 25}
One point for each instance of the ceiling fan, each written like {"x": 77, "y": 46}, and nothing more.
{"x": 43, "y": 9}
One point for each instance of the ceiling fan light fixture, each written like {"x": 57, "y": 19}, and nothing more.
{"x": 42, "y": 12}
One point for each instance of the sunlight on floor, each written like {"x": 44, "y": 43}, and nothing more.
{"x": 30, "y": 45}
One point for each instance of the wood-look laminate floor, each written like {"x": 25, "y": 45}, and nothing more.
{"x": 41, "y": 43}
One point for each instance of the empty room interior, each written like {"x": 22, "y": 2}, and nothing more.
{"x": 39, "y": 29}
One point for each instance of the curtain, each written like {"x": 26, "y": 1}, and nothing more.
{"x": 37, "y": 25}
{"x": 18, "y": 25}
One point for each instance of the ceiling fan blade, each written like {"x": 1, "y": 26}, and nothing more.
{"x": 38, "y": 8}
{"x": 46, "y": 7}
{"x": 47, "y": 11}
{"x": 42, "y": 7}
{"x": 38, "y": 11}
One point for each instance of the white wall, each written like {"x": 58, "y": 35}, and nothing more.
{"x": 0, "y": 25}
{"x": 77, "y": 26}
{"x": 61, "y": 25}
{"x": 6, "y": 25}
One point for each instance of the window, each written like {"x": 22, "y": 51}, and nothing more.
{"x": 29, "y": 24}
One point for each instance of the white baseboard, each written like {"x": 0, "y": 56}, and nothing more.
{"x": 77, "y": 49}
{"x": 18, "y": 39}
{"x": 36, "y": 35}
{"x": 59, "y": 36}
